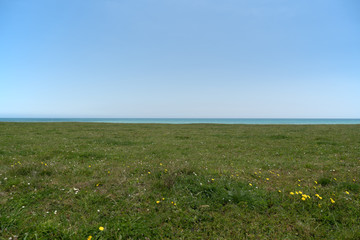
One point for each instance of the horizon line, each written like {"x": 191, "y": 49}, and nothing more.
{"x": 357, "y": 118}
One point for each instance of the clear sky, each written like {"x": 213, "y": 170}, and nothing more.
{"x": 180, "y": 58}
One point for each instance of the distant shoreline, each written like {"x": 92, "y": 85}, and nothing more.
{"x": 266, "y": 121}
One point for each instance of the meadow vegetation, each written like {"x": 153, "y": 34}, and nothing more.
{"x": 198, "y": 181}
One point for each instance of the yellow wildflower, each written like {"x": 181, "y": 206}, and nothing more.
{"x": 160, "y": 164}
{"x": 250, "y": 184}
{"x": 347, "y": 192}
{"x": 101, "y": 228}
{"x": 303, "y": 198}
{"x": 89, "y": 238}
{"x": 279, "y": 190}
{"x": 267, "y": 179}
{"x": 157, "y": 202}
{"x": 317, "y": 195}
{"x": 304, "y": 195}
{"x": 297, "y": 193}
{"x": 332, "y": 200}
{"x": 335, "y": 179}
{"x": 291, "y": 193}
{"x": 163, "y": 199}
{"x": 316, "y": 182}
{"x": 149, "y": 172}
{"x": 89, "y": 165}
{"x": 300, "y": 192}
{"x": 212, "y": 179}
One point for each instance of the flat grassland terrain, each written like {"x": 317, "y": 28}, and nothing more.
{"x": 198, "y": 181}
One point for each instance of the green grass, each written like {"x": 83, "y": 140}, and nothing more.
{"x": 149, "y": 181}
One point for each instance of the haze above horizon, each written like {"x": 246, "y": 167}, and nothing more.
{"x": 180, "y": 59}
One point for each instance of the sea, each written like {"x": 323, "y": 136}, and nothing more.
{"x": 270, "y": 121}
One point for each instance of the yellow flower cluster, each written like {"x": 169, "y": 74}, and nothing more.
{"x": 317, "y": 195}
{"x": 163, "y": 199}
{"x": 304, "y": 197}
{"x": 12, "y": 165}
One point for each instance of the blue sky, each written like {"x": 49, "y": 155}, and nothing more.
{"x": 180, "y": 58}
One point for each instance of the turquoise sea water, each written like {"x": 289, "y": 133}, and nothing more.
{"x": 191, "y": 120}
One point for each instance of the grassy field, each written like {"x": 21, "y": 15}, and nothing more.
{"x": 148, "y": 181}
